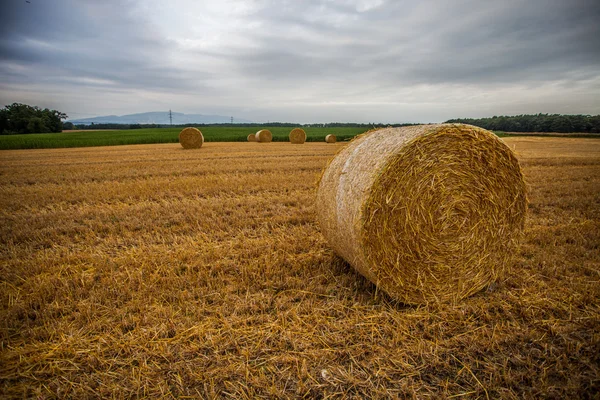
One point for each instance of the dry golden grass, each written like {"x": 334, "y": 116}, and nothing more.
{"x": 148, "y": 271}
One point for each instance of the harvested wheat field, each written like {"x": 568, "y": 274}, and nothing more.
{"x": 151, "y": 271}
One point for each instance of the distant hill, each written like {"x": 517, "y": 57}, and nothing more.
{"x": 159, "y": 118}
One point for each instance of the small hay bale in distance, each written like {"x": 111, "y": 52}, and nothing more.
{"x": 264, "y": 136}
{"x": 252, "y": 137}
{"x": 191, "y": 138}
{"x": 297, "y": 136}
{"x": 330, "y": 139}
{"x": 429, "y": 213}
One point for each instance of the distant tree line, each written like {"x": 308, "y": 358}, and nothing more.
{"x": 21, "y": 118}
{"x": 70, "y": 125}
{"x": 536, "y": 123}
{"x": 356, "y": 125}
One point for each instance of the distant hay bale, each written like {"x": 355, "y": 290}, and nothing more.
{"x": 297, "y": 136}
{"x": 429, "y": 213}
{"x": 252, "y": 137}
{"x": 264, "y": 136}
{"x": 191, "y": 138}
{"x": 330, "y": 139}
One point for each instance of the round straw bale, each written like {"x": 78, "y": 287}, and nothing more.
{"x": 330, "y": 138}
{"x": 428, "y": 213}
{"x": 264, "y": 136}
{"x": 252, "y": 137}
{"x": 191, "y": 138}
{"x": 297, "y": 136}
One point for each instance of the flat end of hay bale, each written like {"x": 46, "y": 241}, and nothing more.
{"x": 191, "y": 138}
{"x": 428, "y": 213}
{"x": 264, "y": 136}
{"x": 252, "y": 137}
{"x": 297, "y": 136}
{"x": 330, "y": 139}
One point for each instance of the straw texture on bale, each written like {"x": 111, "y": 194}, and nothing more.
{"x": 252, "y": 137}
{"x": 428, "y": 213}
{"x": 330, "y": 138}
{"x": 191, "y": 138}
{"x": 264, "y": 136}
{"x": 297, "y": 136}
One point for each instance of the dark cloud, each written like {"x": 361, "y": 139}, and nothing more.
{"x": 101, "y": 41}
{"x": 469, "y": 43}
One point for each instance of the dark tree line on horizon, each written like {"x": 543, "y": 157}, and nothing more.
{"x": 536, "y": 123}
{"x": 69, "y": 125}
{"x": 20, "y": 118}
{"x": 518, "y": 123}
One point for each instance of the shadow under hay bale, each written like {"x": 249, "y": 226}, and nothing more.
{"x": 428, "y": 213}
{"x": 264, "y": 136}
{"x": 297, "y": 136}
{"x": 191, "y": 138}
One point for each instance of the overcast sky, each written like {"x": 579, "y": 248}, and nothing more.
{"x": 303, "y": 60}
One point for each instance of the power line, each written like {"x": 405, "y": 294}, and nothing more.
{"x": 67, "y": 112}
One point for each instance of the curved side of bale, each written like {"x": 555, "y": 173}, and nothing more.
{"x": 428, "y": 213}
{"x": 330, "y": 138}
{"x": 252, "y": 137}
{"x": 297, "y": 136}
{"x": 191, "y": 138}
{"x": 264, "y": 136}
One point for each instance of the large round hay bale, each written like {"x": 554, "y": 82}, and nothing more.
{"x": 297, "y": 136}
{"x": 330, "y": 138}
{"x": 264, "y": 136}
{"x": 428, "y": 213}
{"x": 191, "y": 138}
{"x": 252, "y": 137}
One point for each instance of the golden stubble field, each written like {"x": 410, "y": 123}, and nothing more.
{"x": 150, "y": 271}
